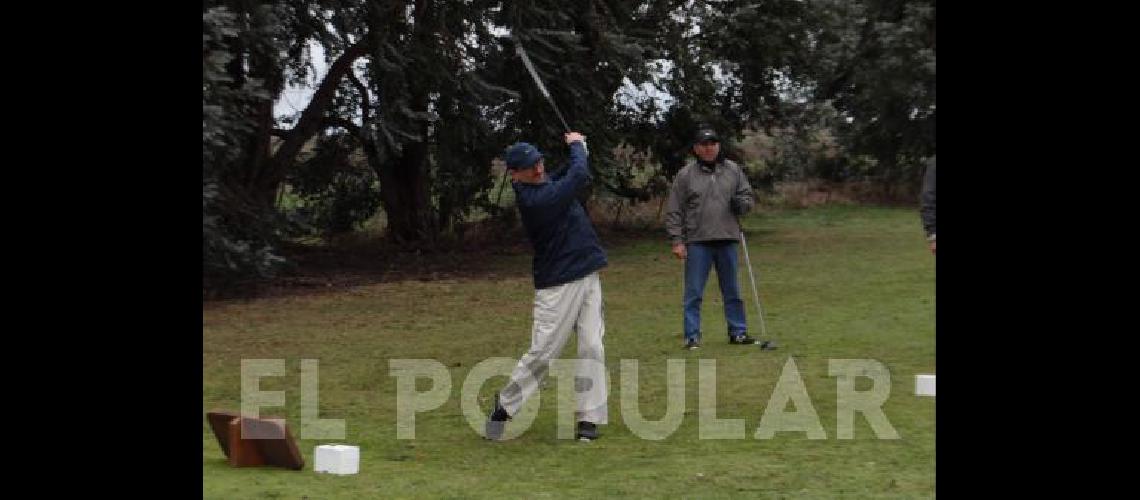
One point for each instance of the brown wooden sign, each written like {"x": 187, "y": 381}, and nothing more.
{"x": 255, "y": 442}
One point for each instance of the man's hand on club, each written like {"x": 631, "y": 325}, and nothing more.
{"x": 679, "y": 250}
{"x": 574, "y": 136}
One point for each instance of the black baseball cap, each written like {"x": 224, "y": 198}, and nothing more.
{"x": 706, "y": 134}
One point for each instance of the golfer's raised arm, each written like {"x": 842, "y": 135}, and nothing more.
{"x": 575, "y": 176}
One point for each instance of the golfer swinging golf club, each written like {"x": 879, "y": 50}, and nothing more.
{"x": 568, "y": 293}
{"x": 706, "y": 199}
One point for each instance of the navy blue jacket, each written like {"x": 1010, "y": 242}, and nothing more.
{"x": 566, "y": 248}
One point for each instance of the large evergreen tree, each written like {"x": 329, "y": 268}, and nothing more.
{"x": 432, "y": 90}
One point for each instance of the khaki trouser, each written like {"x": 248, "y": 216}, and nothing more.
{"x": 557, "y": 310}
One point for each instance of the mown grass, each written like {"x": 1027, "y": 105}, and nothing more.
{"x": 837, "y": 282}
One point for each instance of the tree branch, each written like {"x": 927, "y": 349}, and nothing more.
{"x": 843, "y": 75}
{"x": 336, "y": 121}
{"x": 312, "y": 117}
{"x": 365, "y": 102}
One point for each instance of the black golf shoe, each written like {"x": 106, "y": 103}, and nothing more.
{"x": 496, "y": 421}
{"x": 587, "y": 431}
{"x": 744, "y": 339}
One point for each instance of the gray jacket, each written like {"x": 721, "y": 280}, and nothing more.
{"x": 703, "y": 205}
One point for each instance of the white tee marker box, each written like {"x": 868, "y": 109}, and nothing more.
{"x": 924, "y": 385}
{"x": 340, "y": 459}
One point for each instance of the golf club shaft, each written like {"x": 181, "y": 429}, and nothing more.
{"x": 542, "y": 88}
{"x": 538, "y": 81}
{"x": 755, "y": 294}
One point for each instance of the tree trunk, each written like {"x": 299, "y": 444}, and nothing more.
{"x": 405, "y": 185}
{"x": 406, "y": 196}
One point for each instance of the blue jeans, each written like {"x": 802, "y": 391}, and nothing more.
{"x": 701, "y": 258}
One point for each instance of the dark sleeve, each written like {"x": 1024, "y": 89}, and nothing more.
{"x": 557, "y": 176}
{"x": 927, "y": 199}
{"x": 742, "y": 199}
{"x": 675, "y": 209}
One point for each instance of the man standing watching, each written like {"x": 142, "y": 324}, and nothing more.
{"x": 705, "y": 202}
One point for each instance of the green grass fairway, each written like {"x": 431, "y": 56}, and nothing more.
{"x": 837, "y": 283}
